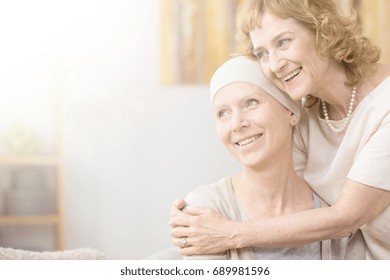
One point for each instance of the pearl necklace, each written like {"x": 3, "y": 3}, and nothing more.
{"x": 347, "y": 118}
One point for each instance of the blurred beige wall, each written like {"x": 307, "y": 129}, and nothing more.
{"x": 199, "y": 35}
{"x": 373, "y": 15}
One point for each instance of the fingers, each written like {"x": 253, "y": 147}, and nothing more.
{"x": 186, "y": 219}
{"x": 177, "y": 207}
{"x": 187, "y": 246}
{"x": 188, "y": 251}
{"x": 180, "y": 231}
{"x": 181, "y": 242}
{"x": 180, "y": 219}
{"x": 184, "y": 245}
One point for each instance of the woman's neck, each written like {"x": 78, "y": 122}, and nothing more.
{"x": 268, "y": 193}
{"x": 333, "y": 90}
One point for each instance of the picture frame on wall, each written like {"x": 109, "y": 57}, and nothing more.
{"x": 196, "y": 37}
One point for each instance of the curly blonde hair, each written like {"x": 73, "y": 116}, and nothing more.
{"x": 339, "y": 38}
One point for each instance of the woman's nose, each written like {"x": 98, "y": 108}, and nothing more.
{"x": 239, "y": 121}
{"x": 276, "y": 63}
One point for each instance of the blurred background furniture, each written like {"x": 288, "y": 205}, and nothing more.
{"x": 32, "y": 178}
{"x": 76, "y": 254}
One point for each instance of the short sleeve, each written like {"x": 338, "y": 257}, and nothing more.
{"x": 372, "y": 164}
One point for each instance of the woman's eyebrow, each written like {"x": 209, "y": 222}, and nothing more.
{"x": 274, "y": 39}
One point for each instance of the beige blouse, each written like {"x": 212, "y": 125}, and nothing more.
{"x": 362, "y": 153}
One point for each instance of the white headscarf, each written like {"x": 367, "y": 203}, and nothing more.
{"x": 247, "y": 70}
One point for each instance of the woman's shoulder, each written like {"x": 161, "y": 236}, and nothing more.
{"x": 209, "y": 194}
{"x": 218, "y": 196}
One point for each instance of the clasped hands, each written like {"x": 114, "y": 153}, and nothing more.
{"x": 199, "y": 230}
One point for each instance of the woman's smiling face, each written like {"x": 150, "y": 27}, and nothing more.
{"x": 288, "y": 55}
{"x": 254, "y": 127}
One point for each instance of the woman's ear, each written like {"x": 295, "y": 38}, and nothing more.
{"x": 293, "y": 119}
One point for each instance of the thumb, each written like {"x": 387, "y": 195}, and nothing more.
{"x": 179, "y": 204}
{"x": 177, "y": 207}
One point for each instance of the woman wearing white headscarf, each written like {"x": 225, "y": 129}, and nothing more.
{"x": 255, "y": 122}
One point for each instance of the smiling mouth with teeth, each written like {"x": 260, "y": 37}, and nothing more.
{"x": 293, "y": 74}
{"x": 248, "y": 140}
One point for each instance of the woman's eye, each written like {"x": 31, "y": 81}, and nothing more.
{"x": 252, "y": 102}
{"x": 283, "y": 42}
{"x": 261, "y": 55}
{"x": 222, "y": 114}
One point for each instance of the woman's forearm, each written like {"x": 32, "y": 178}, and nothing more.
{"x": 209, "y": 232}
{"x": 357, "y": 205}
{"x": 292, "y": 230}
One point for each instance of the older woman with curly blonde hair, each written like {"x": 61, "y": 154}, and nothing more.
{"x": 341, "y": 148}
